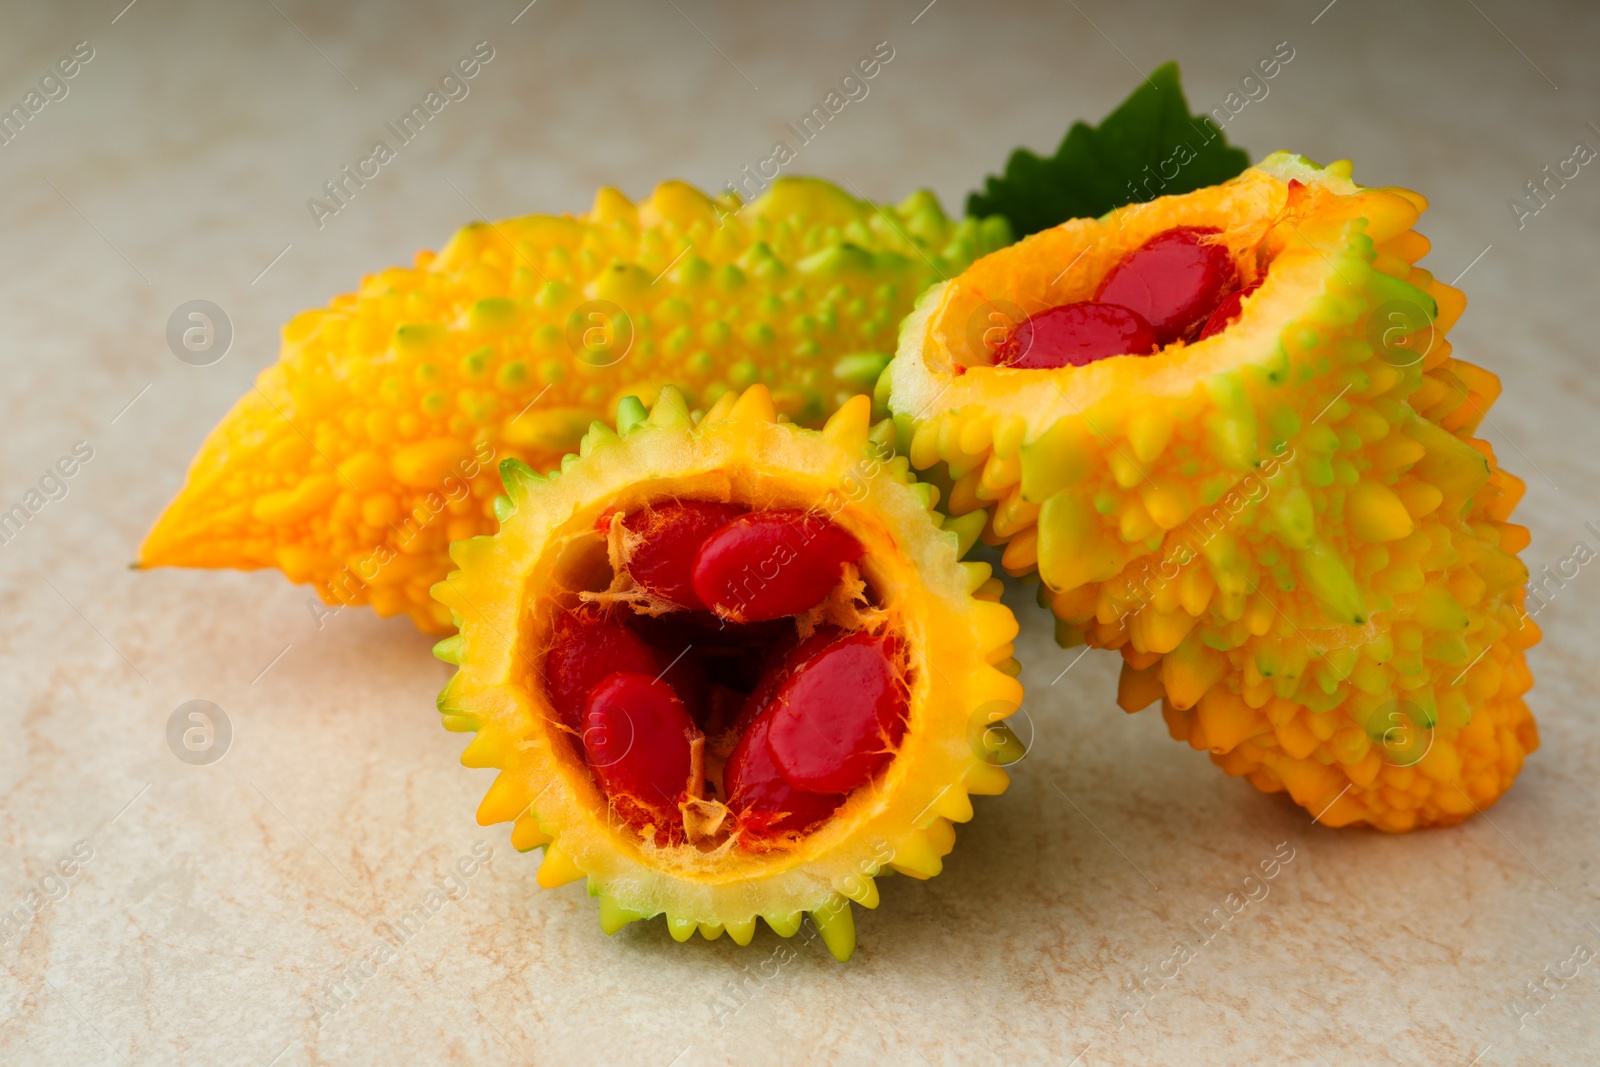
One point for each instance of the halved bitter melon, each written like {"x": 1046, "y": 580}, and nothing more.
{"x": 581, "y": 578}
{"x": 1284, "y": 521}
{"x": 371, "y": 444}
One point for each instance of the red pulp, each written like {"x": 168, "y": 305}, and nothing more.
{"x": 759, "y": 795}
{"x": 794, "y": 725}
{"x": 672, "y": 533}
{"x": 637, "y": 737}
{"x": 1173, "y": 280}
{"x": 586, "y": 646}
{"x": 1227, "y": 311}
{"x": 1075, "y": 335}
{"x": 836, "y": 718}
{"x": 768, "y": 564}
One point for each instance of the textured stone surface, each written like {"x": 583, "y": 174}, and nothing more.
{"x": 219, "y": 899}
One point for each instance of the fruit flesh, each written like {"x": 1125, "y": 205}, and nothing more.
{"x": 1174, "y": 286}
{"x": 1288, "y": 527}
{"x": 765, "y": 803}
{"x": 373, "y": 443}
{"x": 1226, "y": 312}
{"x": 787, "y": 653}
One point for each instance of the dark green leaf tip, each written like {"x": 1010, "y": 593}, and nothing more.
{"x": 1149, "y": 146}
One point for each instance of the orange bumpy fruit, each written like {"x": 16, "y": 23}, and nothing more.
{"x": 371, "y": 444}
{"x": 564, "y": 542}
{"x": 1287, "y": 527}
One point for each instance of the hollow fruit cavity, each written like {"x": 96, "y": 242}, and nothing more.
{"x": 735, "y": 666}
{"x": 1172, "y": 288}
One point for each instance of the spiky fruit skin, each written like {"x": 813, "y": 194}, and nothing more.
{"x": 371, "y": 444}
{"x": 1288, "y": 528}
{"x": 957, "y": 633}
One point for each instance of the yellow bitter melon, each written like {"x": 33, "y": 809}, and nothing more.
{"x": 371, "y": 444}
{"x": 1287, "y": 528}
{"x": 703, "y": 872}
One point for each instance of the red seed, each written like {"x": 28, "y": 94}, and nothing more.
{"x": 763, "y": 802}
{"x": 637, "y": 738}
{"x": 1227, "y": 311}
{"x": 671, "y": 535}
{"x": 586, "y": 645}
{"x": 788, "y": 657}
{"x": 768, "y": 564}
{"x": 1075, "y": 335}
{"x": 1173, "y": 280}
{"x": 839, "y": 714}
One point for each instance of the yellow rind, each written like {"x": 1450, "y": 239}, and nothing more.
{"x": 738, "y": 451}
{"x": 372, "y": 443}
{"x": 1291, "y": 535}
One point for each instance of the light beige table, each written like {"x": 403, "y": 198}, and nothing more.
{"x": 216, "y": 901}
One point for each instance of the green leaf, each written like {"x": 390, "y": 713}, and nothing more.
{"x": 1127, "y": 158}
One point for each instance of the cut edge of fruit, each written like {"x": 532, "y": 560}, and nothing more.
{"x": 930, "y": 377}
{"x": 903, "y": 821}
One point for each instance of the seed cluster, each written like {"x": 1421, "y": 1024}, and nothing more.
{"x": 777, "y": 687}
{"x": 1181, "y": 284}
